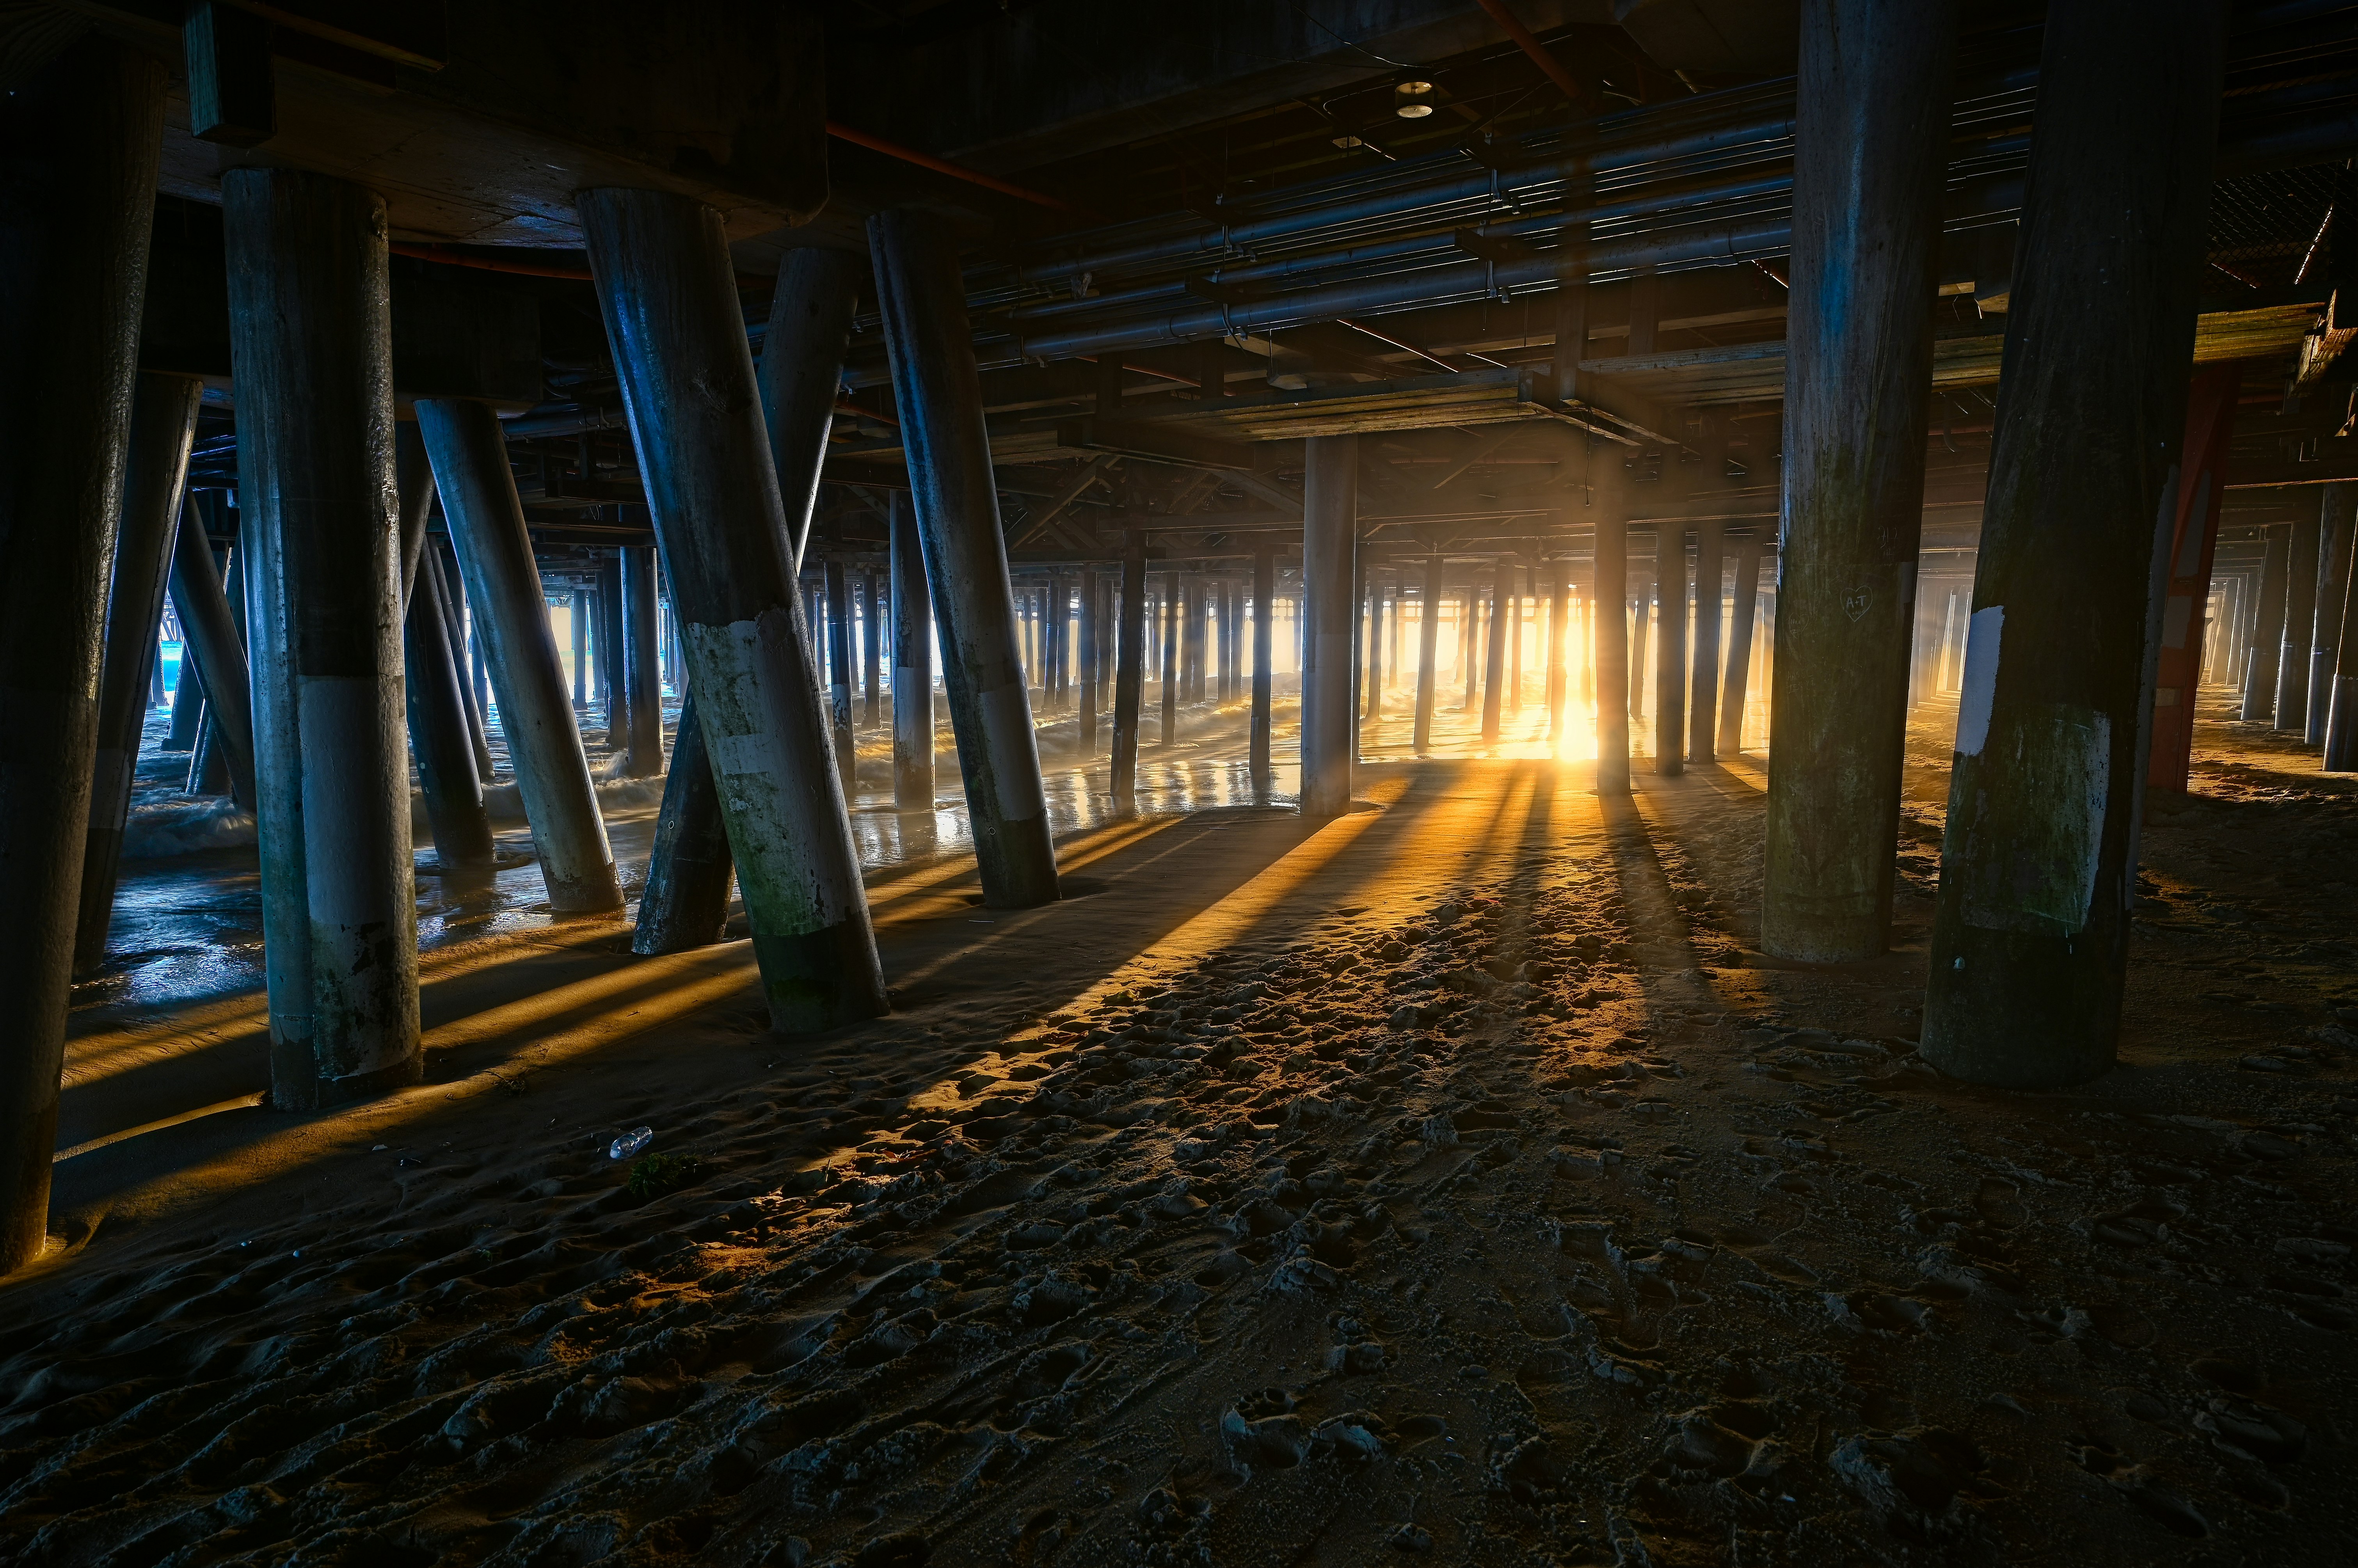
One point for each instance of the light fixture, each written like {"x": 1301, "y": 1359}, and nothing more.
{"x": 1348, "y": 142}
{"x": 1413, "y": 100}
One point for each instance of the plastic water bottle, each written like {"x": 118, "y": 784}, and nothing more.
{"x": 631, "y": 1142}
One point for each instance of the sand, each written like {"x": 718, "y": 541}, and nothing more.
{"x": 1454, "y": 1181}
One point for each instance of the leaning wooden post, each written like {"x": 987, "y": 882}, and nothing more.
{"x": 79, "y": 143}
{"x": 310, "y": 342}
{"x": 210, "y": 627}
{"x": 913, "y": 663}
{"x": 163, "y": 420}
{"x": 668, "y": 295}
{"x": 839, "y": 674}
{"x": 938, "y": 393}
{"x": 802, "y": 374}
{"x": 494, "y": 552}
{"x": 642, "y": 674}
{"x": 687, "y": 896}
{"x": 2029, "y": 952}
{"x": 438, "y": 731}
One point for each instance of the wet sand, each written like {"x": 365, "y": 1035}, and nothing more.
{"x": 1454, "y": 1178}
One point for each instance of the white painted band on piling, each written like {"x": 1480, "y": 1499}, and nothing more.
{"x": 1973, "y": 704}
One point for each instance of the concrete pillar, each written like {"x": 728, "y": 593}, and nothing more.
{"x": 1376, "y": 623}
{"x": 1090, "y": 659}
{"x": 2336, "y": 506}
{"x": 1702, "y": 695}
{"x": 2341, "y": 741}
{"x": 1129, "y": 672}
{"x": 552, "y": 773}
{"x": 1468, "y": 635}
{"x": 438, "y": 730}
{"x": 802, "y": 376}
{"x": 1669, "y": 650}
{"x": 1736, "y": 685}
{"x": 613, "y": 652}
{"x": 2039, "y": 866}
{"x": 685, "y": 901}
{"x": 80, "y": 142}
{"x": 1428, "y": 651}
{"x": 669, "y": 301}
{"x": 210, "y": 640}
{"x": 1359, "y": 641}
{"x": 641, "y": 670}
{"x": 310, "y": 343}
{"x": 913, "y": 662}
{"x": 1259, "y": 765}
{"x": 1642, "y": 647}
{"x": 1330, "y": 525}
{"x": 1609, "y": 626}
{"x": 838, "y": 676}
{"x": 1872, "y": 139}
{"x": 1494, "y": 658}
{"x": 939, "y": 398}
{"x": 2300, "y": 625}
{"x": 2266, "y": 630}
{"x": 580, "y": 626}
{"x": 1558, "y": 613}
{"x": 871, "y": 657}
{"x": 163, "y": 420}
{"x": 1173, "y": 600}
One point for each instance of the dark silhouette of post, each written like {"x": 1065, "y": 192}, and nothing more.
{"x": 1669, "y": 650}
{"x": 1702, "y": 696}
{"x": 1609, "y": 622}
{"x": 1330, "y": 523}
{"x": 79, "y": 143}
{"x": 1872, "y": 141}
{"x": 1129, "y": 672}
{"x": 210, "y": 639}
{"x": 1742, "y": 611}
{"x": 686, "y": 897}
{"x": 163, "y": 420}
{"x": 438, "y": 730}
{"x": 2030, "y": 936}
{"x": 1428, "y": 651}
